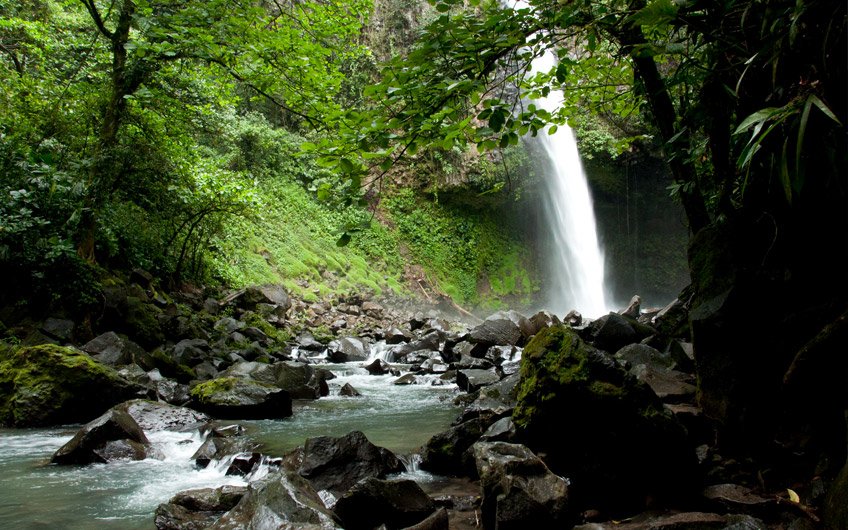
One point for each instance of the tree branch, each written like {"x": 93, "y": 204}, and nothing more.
{"x": 98, "y": 20}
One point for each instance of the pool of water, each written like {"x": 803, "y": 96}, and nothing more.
{"x": 124, "y": 495}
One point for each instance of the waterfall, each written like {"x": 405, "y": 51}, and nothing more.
{"x": 575, "y": 261}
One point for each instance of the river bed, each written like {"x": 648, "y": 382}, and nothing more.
{"x": 124, "y": 495}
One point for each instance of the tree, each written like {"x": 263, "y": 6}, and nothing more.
{"x": 748, "y": 100}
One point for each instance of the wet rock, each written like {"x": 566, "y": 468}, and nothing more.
{"x": 573, "y": 318}
{"x": 438, "y": 520}
{"x": 134, "y": 374}
{"x": 114, "y": 435}
{"x": 625, "y": 445}
{"x": 58, "y": 328}
{"x": 394, "y": 335}
{"x": 266, "y": 294}
{"x": 736, "y": 498}
{"x": 197, "y": 509}
{"x": 230, "y": 397}
{"x": 468, "y": 362}
{"x": 407, "y": 379}
{"x": 502, "y": 430}
{"x": 373, "y": 309}
{"x": 347, "y": 349}
{"x": 498, "y": 330}
{"x": 498, "y": 397}
{"x": 190, "y": 352}
{"x": 281, "y": 500}
{"x": 319, "y": 379}
{"x": 307, "y": 342}
{"x": 243, "y": 464}
{"x": 446, "y": 452}
{"x": 673, "y": 320}
{"x": 113, "y": 350}
{"x": 679, "y": 521}
{"x": 50, "y": 385}
{"x": 295, "y": 378}
{"x": 542, "y": 320}
{"x": 836, "y": 504}
{"x": 172, "y": 392}
{"x": 377, "y": 367}
{"x": 372, "y": 502}
{"x": 221, "y": 442}
{"x": 336, "y": 464}
{"x": 637, "y": 354}
{"x": 669, "y": 385}
{"x": 228, "y": 325}
{"x": 349, "y": 391}
{"x": 519, "y": 491}
{"x": 430, "y": 341}
{"x": 634, "y": 308}
{"x": 152, "y": 416}
{"x": 612, "y": 332}
{"x": 473, "y": 380}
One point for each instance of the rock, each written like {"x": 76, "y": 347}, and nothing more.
{"x": 172, "y": 392}
{"x": 394, "y": 335}
{"x": 372, "y": 502}
{"x": 141, "y": 322}
{"x": 243, "y": 464}
{"x": 152, "y": 416}
{"x": 336, "y": 464}
{"x": 468, "y": 362}
{"x": 683, "y": 355}
{"x": 307, "y": 342}
{"x": 673, "y": 320}
{"x": 445, "y": 453}
{"x": 430, "y": 341}
{"x": 573, "y": 318}
{"x": 373, "y": 309}
{"x": 502, "y": 430}
{"x": 634, "y": 308}
{"x": 612, "y": 332}
{"x": 296, "y": 379}
{"x": 438, "y": 520}
{"x": 624, "y": 445}
{"x": 113, "y": 350}
{"x": 347, "y": 349}
{"x": 542, "y": 320}
{"x": 377, "y": 367}
{"x": 92, "y": 443}
{"x": 637, "y": 354}
{"x": 190, "y": 352}
{"x": 836, "y": 504}
{"x": 58, "y": 328}
{"x": 282, "y": 500}
{"x": 519, "y": 491}
{"x": 206, "y": 371}
{"x": 407, "y": 379}
{"x": 197, "y": 509}
{"x": 348, "y": 390}
{"x": 498, "y": 397}
{"x": 669, "y": 385}
{"x": 230, "y": 397}
{"x": 228, "y": 325}
{"x": 527, "y": 328}
{"x": 52, "y": 385}
{"x": 266, "y": 294}
{"x": 497, "y": 331}
{"x": 221, "y": 442}
{"x": 736, "y": 498}
{"x": 318, "y": 381}
{"x": 473, "y": 380}
{"x": 679, "y": 521}
{"x": 135, "y": 374}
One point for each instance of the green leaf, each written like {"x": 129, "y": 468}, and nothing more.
{"x": 552, "y": 130}
{"x": 824, "y": 108}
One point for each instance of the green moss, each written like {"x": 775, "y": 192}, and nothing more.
{"x": 171, "y": 368}
{"x": 279, "y": 336}
{"x": 49, "y": 384}
{"x": 206, "y": 391}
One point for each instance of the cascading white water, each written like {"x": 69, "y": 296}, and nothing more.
{"x": 576, "y": 263}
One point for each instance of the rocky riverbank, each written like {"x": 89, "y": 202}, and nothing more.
{"x": 563, "y": 424}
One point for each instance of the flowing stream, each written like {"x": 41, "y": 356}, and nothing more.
{"x": 124, "y": 495}
{"x": 575, "y": 259}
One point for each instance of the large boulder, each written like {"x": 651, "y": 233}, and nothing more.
{"x": 598, "y": 425}
{"x": 49, "y": 385}
{"x": 637, "y": 354}
{"x": 282, "y": 500}
{"x": 519, "y": 491}
{"x": 114, "y": 350}
{"x": 154, "y": 416}
{"x": 374, "y": 502}
{"x": 274, "y": 295}
{"x": 197, "y": 509}
{"x": 113, "y": 436}
{"x": 473, "y": 380}
{"x": 230, "y": 397}
{"x": 293, "y": 377}
{"x": 347, "y": 349}
{"x": 335, "y": 464}
{"x": 497, "y": 330}
{"x": 612, "y": 332}
{"x": 446, "y": 453}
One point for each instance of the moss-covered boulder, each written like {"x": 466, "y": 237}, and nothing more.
{"x": 599, "y": 426}
{"x": 237, "y": 398}
{"x": 51, "y": 385}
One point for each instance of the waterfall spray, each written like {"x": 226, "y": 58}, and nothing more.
{"x": 575, "y": 261}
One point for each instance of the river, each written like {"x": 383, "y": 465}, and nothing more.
{"x": 124, "y": 495}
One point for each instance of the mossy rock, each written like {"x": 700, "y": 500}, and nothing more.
{"x": 239, "y": 398}
{"x": 142, "y": 322}
{"x": 598, "y": 425}
{"x": 170, "y": 368}
{"x": 53, "y": 385}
